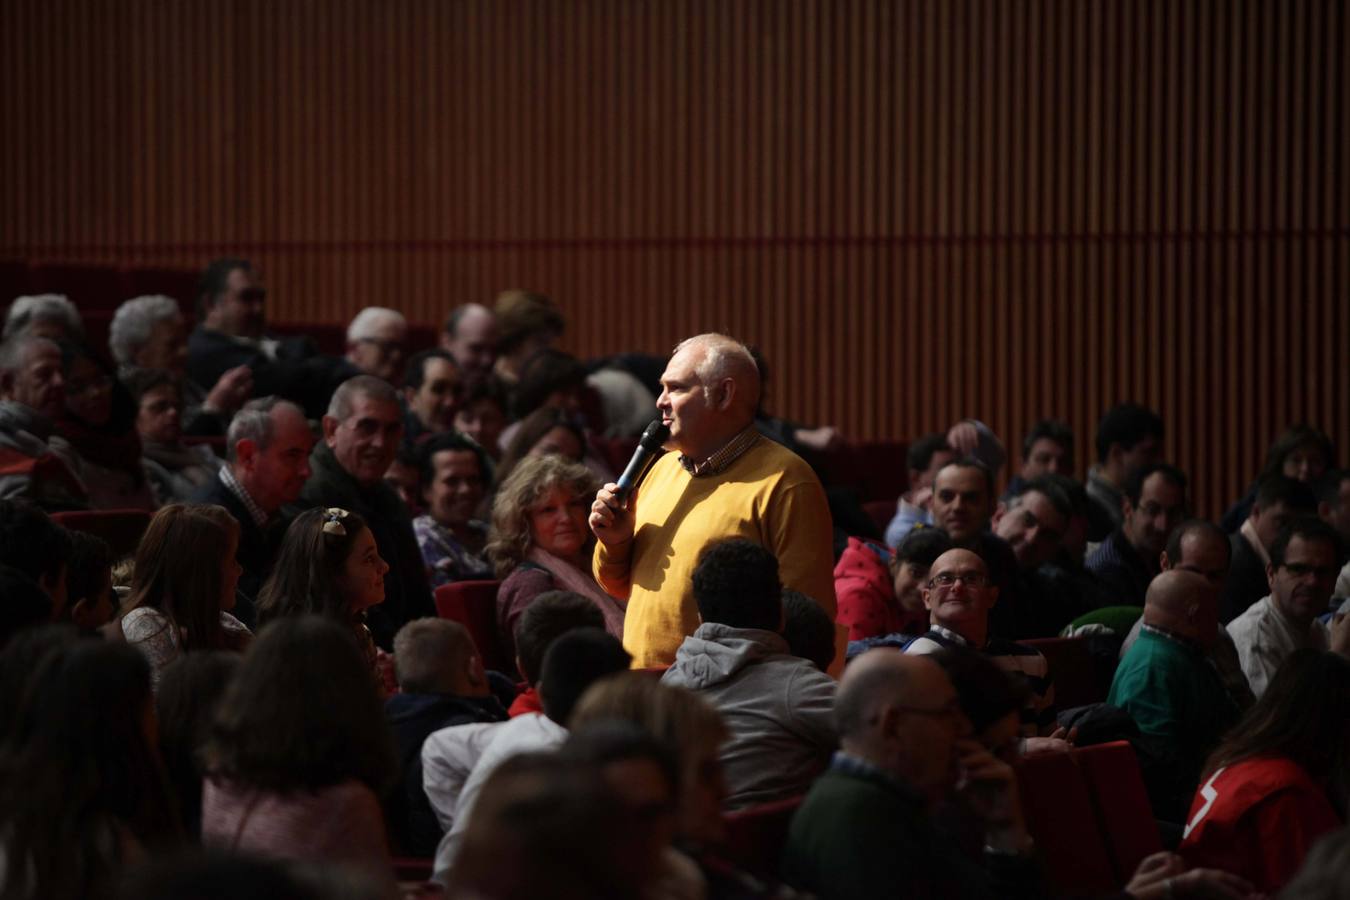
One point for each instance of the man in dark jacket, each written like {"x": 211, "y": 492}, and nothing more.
{"x": 443, "y": 684}
{"x": 361, "y": 435}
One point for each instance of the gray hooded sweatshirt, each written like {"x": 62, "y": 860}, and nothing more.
{"x": 778, "y": 708}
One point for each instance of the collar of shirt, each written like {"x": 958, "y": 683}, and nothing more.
{"x": 953, "y": 636}
{"x": 849, "y": 764}
{"x": 1168, "y": 635}
{"x": 724, "y": 457}
{"x": 234, "y": 487}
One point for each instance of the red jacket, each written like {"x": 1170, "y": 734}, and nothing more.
{"x": 866, "y": 595}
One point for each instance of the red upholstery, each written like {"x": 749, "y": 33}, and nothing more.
{"x": 121, "y": 528}
{"x": 473, "y": 604}
{"x": 875, "y": 469}
{"x": 88, "y": 286}
{"x": 1063, "y": 821}
{"x": 1121, "y": 804}
{"x": 1073, "y": 671}
{"x": 756, "y": 835}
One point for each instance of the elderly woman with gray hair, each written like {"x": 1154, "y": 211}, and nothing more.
{"x": 149, "y": 333}
{"x": 539, "y": 541}
{"x": 52, "y": 316}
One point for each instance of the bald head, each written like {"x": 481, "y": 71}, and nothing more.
{"x": 1185, "y": 603}
{"x": 959, "y": 596}
{"x": 709, "y": 393}
{"x": 877, "y": 679}
{"x": 470, "y": 336}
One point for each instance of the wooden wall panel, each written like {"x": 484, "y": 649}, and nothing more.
{"x": 919, "y": 209}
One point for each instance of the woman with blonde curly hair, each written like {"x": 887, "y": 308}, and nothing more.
{"x": 539, "y": 541}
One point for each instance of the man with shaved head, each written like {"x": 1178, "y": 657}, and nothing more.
{"x": 722, "y": 480}
{"x": 1167, "y": 685}
{"x": 865, "y": 828}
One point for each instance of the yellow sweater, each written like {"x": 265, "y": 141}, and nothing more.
{"x": 767, "y": 495}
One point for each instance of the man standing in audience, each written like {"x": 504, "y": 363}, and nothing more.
{"x": 470, "y": 336}
{"x": 35, "y": 464}
{"x": 377, "y": 342}
{"x": 723, "y": 480}
{"x": 1035, "y": 604}
{"x": 1333, "y": 506}
{"x": 925, "y": 458}
{"x": 778, "y": 708}
{"x": 865, "y": 829}
{"x": 959, "y": 596}
{"x": 1166, "y": 684}
{"x": 1302, "y": 572}
{"x": 433, "y": 390}
{"x": 1279, "y": 499}
{"x": 1125, "y": 563}
{"x": 1047, "y": 449}
{"x": 267, "y": 463}
{"x": 361, "y": 435}
{"x": 963, "y": 506}
{"x": 1129, "y": 437}
{"x": 231, "y": 333}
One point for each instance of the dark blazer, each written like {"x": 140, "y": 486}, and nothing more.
{"x": 257, "y": 547}
{"x": 407, "y": 594}
{"x": 299, "y": 373}
{"x": 1246, "y": 582}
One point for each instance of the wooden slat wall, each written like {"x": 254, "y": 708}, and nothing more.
{"x": 918, "y": 209}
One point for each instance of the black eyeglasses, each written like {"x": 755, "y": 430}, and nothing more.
{"x": 947, "y": 579}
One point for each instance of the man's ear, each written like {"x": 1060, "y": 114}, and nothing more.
{"x": 724, "y": 394}
{"x": 926, "y": 593}
{"x": 330, "y": 427}
{"x": 1000, "y": 510}
{"x": 993, "y": 596}
{"x": 1164, "y": 564}
{"x": 1126, "y": 507}
{"x": 244, "y": 451}
{"x": 1270, "y": 577}
{"x": 409, "y": 394}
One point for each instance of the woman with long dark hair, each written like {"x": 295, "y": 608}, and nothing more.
{"x": 1280, "y": 779}
{"x": 84, "y": 791}
{"x": 183, "y": 584}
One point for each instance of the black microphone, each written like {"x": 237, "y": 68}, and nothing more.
{"x": 648, "y": 448}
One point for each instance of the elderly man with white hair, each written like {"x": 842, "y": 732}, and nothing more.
{"x": 377, "y": 342}
{"x": 723, "y": 480}
{"x": 149, "y": 332}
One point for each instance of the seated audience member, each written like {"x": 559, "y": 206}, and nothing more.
{"x": 482, "y": 415}
{"x": 449, "y": 755}
{"x": 38, "y": 464}
{"x": 404, "y": 475}
{"x": 51, "y": 316}
{"x": 231, "y": 333}
{"x": 328, "y": 566}
{"x": 526, "y": 323}
{"x": 85, "y": 793}
{"x": 1047, "y": 449}
{"x": 183, "y": 587}
{"x": 433, "y": 390}
{"x": 455, "y": 474}
{"x": 866, "y": 822}
{"x": 1129, "y": 437}
{"x": 573, "y": 663}
{"x": 808, "y": 630}
{"x": 90, "y": 602}
{"x": 777, "y": 707}
{"x": 963, "y": 507}
{"x": 959, "y": 595}
{"x": 1333, "y": 506}
{"x": 267, "y": 463}
{"x": 148, "y": 333}
{"x": 470, "y": 336}
{"x": 442, "y": 683}
{"x": 1278, "y": 499}
{"x": 554, "y": 379}
{"x": 361, "y": 435}
{"x": 176, "y": 471}
{"x": 1166, "y": 684}
{"x": 1129, "y": 558}
{"x": 1038, "y": 600}
{"x": 297, "y": 773}
{"x": 1302, "y": 572}
{"x": 1301, "y": 452}
{"x": 189, "y": 695}
{"x": 377, "y": 342}
{"x": 1326, "y": 873}
{"x": 924, "y": 459}
{"x": 545, "y": 432}
{"x": 33, "y": 544}
{"x": 99, "y": 423}
{"x": 1277, "y": 782}
{"x": 548, "y": 825}
{"x": 878, "y": 592}
{"x": 539, "y": 541}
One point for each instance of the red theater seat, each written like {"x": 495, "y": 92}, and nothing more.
{"x": 1063, "y": 821}
{"x": 121, "y": 528}
{"x": 473, "y": 604}
{"x": 1073, "y": 671}
{"x": 1121, "y": 804}
{"x": 756, "y": 835}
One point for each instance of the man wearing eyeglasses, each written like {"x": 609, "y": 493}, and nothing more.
{"x": 865, "y": 828}
{"x": 958, "y": 596}
{"x": 1130, "y": 557}
{"x": 1302, "y": 574}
